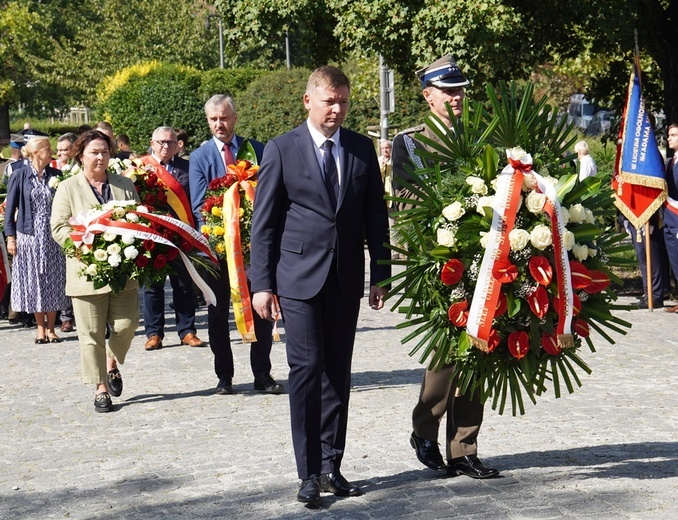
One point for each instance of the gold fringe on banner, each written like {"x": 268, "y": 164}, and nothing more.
{"x": 565, "y": 341}
{"x": 480, "y": 344}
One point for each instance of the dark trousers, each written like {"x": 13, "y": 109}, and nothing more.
{"x": 320, "y": 333}
{"x": 184, "y": 304}
{"x": 218, "y": 329}
{"x": 658, "y": 252}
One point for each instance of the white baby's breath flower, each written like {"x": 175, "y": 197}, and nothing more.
{"x": 91, "y": 269}
{"x": 541, "y": 237}
{"x": 453, "y": 211}
{"x": 114, "y": 260}
{"x": 568, "y": 240}
{"x": 534, "y": 202}
{"x": 127, "y": 239}
{"x": 131, "y": 252}
{"x": 445, "y": 237}
{"x": 580, "y": 251}
{"x": 109, "y": 237}
{"x": 518, "y": 238}
{"x": 100, "y": 254}
{"x": 113, "y": 249}
{"x": 477, "y": 185}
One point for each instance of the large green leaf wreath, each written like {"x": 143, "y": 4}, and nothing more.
{"x": 459, "y": 172}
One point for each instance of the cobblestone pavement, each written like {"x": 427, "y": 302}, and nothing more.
{"x": 172, "y": 449}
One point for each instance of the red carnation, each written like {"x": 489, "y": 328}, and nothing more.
{"x": 504, "y": 271}
{"x": 518, "y": 344}
{"x": 451, "y": 272}
{"x": 159, "y": 262}
{"x": 149, "y": 245}
{"x": 458, "y": 313}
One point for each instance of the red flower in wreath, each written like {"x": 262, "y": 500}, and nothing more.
{"x": 599, "y": 282}
{"x": 452, "y": 272}
{"x": 149, "y": 245}
{"x": 549, "y": 342}
{"x": 493, "y": 340}
{"x": 581, "y": 276}
{"x": 518, "y": 344}
{"x": 581, "y": 328}
{"x": 172, "y": 253}
{"x": 541, "y": 270}
{"x": 504, "y": 271}
{"x": 159, "y": 262}
{"x": 502, "y": 305}
{"x": 141, "y": 261}
{"x": 458, "y": 313}
{"x": 538, "y": 301}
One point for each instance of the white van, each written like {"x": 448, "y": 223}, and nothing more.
{"x": 580, "y": 112}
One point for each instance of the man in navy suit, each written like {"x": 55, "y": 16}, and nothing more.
{"x": 206, "y": 164}
{"x": 162, "y": 157}
{"x": 319, "y": 197}
{"x": 671, "y": 206}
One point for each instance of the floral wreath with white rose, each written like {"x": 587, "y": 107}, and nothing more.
{"x": 508, "y": 267}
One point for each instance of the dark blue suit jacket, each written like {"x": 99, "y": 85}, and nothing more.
{"x": 295, "y": 232}
{"x": 19, "y": 198}
{"x": 205, "y": 165}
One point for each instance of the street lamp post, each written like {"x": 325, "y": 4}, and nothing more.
{"x": 221, "y": 36}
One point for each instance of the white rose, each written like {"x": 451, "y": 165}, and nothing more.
{"x": 100, "y": 255}
{"x": 592, "y": 252}
{"x": 119, "y": 212}
{"x": 445, "y": 237}
{"x": 588, "y": 217}
{"x": 516, "y": 153}
{"x": 541, "y": 237}
{"x": 518, "y": 238}
{"x": 132, "y": 217}
{"x": 493, "y": 184}
{"x": 114, "y": 260}
{"x": 529, "y": 182}
{"x": 484, "y": 239}
{"x": 75, "y": 169}
{"x": 108, "y": 205}
{"x": 91, "y": 270}
{"x": 127, "y": 239}
{"x": 534, "y": 202}
{"x": 127, "y": 162}
{"x": 580, "y": 251}
{"x": 477, "y": 185}
{"x": 131, "y": 252}
{"x": 484, "y": 202}
{"x": 454, "y": 211}
{"x": 113, "y": 249}
{"x": 551, "y": 180}
{"x": 109, "y": 237}
{"x": 84, "y": 249}
{"x": 577, "y": 213}
{"x": 565, "y": 214}
{"x": 53, "y": 182}
{"x": 568, "y": 240}
{"x": 142, "y": 209}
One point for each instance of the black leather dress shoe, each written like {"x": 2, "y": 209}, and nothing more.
{"x": 114, "y": 382}
{"x": 225, "y": 386}
{"x": 265, "y": 383}
{"x": 470, "y": 466}
{"x": 309, "y": 491}
{"x": 103, "y": 403}
{"x": 336, "y": 483}
{"x": 428, "y": 452}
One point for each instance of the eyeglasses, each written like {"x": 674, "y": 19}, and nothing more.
{"x": 166, "y": 143}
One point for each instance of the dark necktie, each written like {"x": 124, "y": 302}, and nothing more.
{"x": 330, "y": 173}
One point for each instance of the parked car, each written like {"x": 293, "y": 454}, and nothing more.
{"x": 580, "y": 111}
{"x": 600, "y": 123}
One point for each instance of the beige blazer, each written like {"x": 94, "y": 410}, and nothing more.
{"x": 73, "y": 196}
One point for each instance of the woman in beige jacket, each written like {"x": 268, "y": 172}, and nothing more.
{"x": 96, "y": 309}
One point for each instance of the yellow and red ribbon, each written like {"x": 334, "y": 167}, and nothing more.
{"x": 176, "y": 195}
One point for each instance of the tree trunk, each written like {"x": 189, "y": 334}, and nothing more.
{"x": 4, "y": 124}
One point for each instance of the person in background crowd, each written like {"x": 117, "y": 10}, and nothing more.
{"x": 586, "y": 165}
{"x": 123, "y": 144}
{"x": 82, "y": 129}
{"x": 163, "y": 158}
{"x": 97, "y": 309}
{"x": 64, "y": 151}
{"x": 207, "y": 163}
{"x": 38, "y": 265}
{"x": 442, "y": 83}
{"x": 182, "y": 143}
{"x": 319, "y": 198}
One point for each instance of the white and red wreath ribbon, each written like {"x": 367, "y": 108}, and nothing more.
{"x": 506, "y": 205}
{"x": 91, "y": 222}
